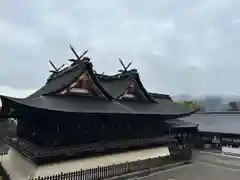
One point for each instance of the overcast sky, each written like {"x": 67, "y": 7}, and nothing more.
{"x": 179, "y": 46}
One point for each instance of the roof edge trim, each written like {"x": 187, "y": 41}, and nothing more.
{"x": 144, "y": 91}
{"x": 97, "y": 83}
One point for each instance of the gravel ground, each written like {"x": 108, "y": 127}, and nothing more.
{"x": 207, "y": 166}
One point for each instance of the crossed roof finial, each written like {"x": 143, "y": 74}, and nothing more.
{"x": 55, "y": 68}
{"x": 79, "y": 58}
{"x": 125, "y": 68}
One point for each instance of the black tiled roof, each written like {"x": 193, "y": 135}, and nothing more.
{"x": 92, "y": 105}
{"x": 109, "y": 86}
{"x": 162, "y": 107}
{"x": 61, "y": 82}
{"x": 177, "y": 123}
{"x": 115, "y": 87}
{"x": 216, "y": 123}
{"x": 71, "y": 104}
{"x": 117, "y": 84}
{"x": 160, "y": 96}
{"x": 64, "y": 79}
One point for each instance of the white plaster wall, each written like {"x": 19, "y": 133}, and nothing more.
{"x": 20, "y": 168}
{"x": 17, "y": 166}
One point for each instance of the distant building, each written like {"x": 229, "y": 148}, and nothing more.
{"x": 234, "y": 106}
{"x": 212, "y": 104}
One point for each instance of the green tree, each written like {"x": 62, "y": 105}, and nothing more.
{"x": 191, "y": 105}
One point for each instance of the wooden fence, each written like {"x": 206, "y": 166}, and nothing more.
{"x": 117, "y": 170}
{"x": 3, "y": 152}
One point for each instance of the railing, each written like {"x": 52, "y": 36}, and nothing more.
{"x": 34, "y": 152}
{"x": 3, "y": 152}
{"x": 117, "y": 170}
{"x": 219, "y": 112}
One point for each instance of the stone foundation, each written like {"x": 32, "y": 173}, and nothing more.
{"x": 19, "y": 167}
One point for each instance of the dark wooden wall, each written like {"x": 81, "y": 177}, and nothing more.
{"x": 62, "y": 129}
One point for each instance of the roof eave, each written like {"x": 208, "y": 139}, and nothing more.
{"x": 97, "y": 83}
{"x": 142, "y": 88}
{"x": 16, "y": 103}
{"x": 78, "y": 69}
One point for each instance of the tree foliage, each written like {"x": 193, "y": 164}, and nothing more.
{"x": 191, "y": 105}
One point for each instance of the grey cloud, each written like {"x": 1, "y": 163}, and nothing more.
{"x": 178, "y": 46}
